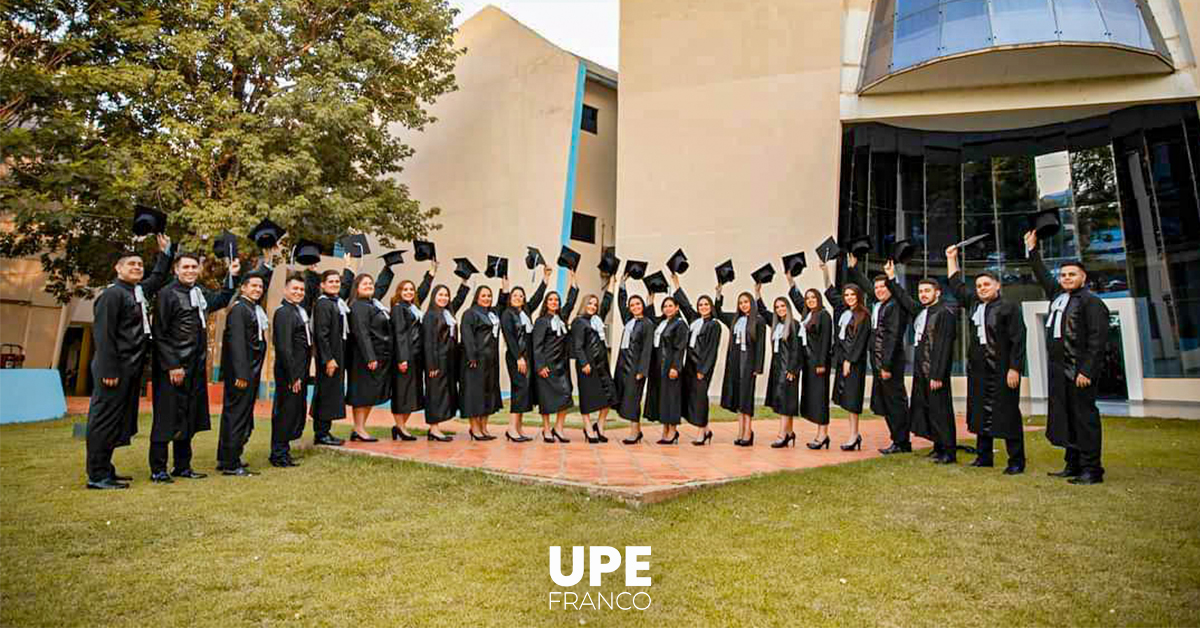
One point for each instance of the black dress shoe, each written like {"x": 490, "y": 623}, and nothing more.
{"x": 328, "y": 439}
{"x": 162, "y": 477}
{"x": 399, "y": 434}
{"x": 516, "y": 439}
{"x": 189, "y": 474}
{"x": 1069, "y": 472}
{"x": 944, "y": 459}
{"x": 291, "y": 462}
{"x": 106, "y": 484}
{"x": 445, "y": 438}
{"x": 1014, "y": 470}
{"x": 365, "y": 439}
{"x": 240, "y": 472}
{"x": 980, "y": 462}
{"x": 891, "y": 449}
{"x": 1087, "y": 478}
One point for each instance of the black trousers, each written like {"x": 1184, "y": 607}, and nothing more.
{"x": 889, "y": 398}
{"x": 1014, "y": 446}
{"x": 112, "y": 416}
{"x": 1084, "y": 430}
{"x": 183, "y": 455}
{"x": 287, "y": 420}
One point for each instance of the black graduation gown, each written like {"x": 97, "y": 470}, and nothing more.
{"x": 817, "y": 345}
{"x": 1072, "y": 418}
{"x": 243, "y": 350}
{"x": 440, "y": 344}
{"x": 787, "y": 356}
{"x": 330, "y": 330}
{"x": 552, "y": 351}
{"x": 181, "y": 341}
{"x": 931, "y": 411}
{"x": 993, "y": 408}
{"x": 664, "y": 396}
{"x": 480, "y": 386}
{"x": 633, "y": 362}
{"x": 408, "y": 388}
{"x": 589, "y": 348}
{"x": 848, "y": 391}
{"x": 701, "y": 360}
{"x": 742, "y": 367}
{"x": 518, "y": 343}
{"x": 122, "y": 345}
{"x": 293, "y": 352}
{"x": 370, "y": 341}
{"x": 889, "y": 399}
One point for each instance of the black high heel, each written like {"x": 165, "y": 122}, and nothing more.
{"x": 441, "y": 439}
{"x": 633, "y": 441}
{"x": 547, "y": 439}
{"x": 745, "y": 442}
{"x": 516, "y": 439}
{"x": 474, "y": 437}
{"x": 703, "y": 441}
{"x": 673, "y": 441}
{"x": 592, "y": 440}
{"x": 790, "y": 439}
{"x": 397, "y": 434}
{"x": 365, "y": 439}
{"x": 599, "y": 436}
{"x": 557, "y": 436}
{"x": 818, "y": 445}
{"x": 857, "y": 444}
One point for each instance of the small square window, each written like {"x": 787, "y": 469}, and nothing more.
{"x": 583, "y": 227}
{"x": 591, "y": 119}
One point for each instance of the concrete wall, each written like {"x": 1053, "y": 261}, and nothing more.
{"x": 28, "y": 315}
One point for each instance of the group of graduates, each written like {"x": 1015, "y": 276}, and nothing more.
{"x": 417, "y": 354}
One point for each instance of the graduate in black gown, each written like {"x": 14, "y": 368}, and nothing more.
{"x": 931, "y": 408}
{"x": 368, "y": 355}
{"x": 331, "y": 328}
{"x": 179, "y": 370}
{"x": 1076, "y": 333}
{"x": 480, "y": 389}
{"x": 852, "y": 335}
{"x": 243, "y": 351}
{"x": 816, "y": 340}
{"x": 664, "y": 392}
{"x": 787, "y": 365}
{"x": 291, "y": 332}
{"x": 439, "y": 339}
{"x": 995, "y": 361}
{"x": 888, "y": 323}
{"x": 589, "y": 344}
{"x": 408, "y": 370}
{"x": 551, "y": 362}
{"x": 704, "y": 342}
{"x": 633, "y": 358}
{"x": 122, "y": 333}
{"x": 517, "y": 324}
{"x": 744, "y": 360}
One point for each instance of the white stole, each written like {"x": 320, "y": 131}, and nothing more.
{"x": 1057, "y": 308}
{"x": 843, "y": 323}
{"x": 196, "y": 298}
{"x": 139, "y": 295}
{"x": 979, "y": 318}
{"x": 919, "y": 325}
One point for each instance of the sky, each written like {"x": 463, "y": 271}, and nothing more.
{"x": 585, "y": 27}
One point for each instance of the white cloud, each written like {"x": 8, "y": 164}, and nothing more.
{"x": 585, "y": 27}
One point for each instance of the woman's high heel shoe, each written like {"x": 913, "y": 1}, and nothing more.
{"x": 474, "y": 437}
{"x": 547, "y": 439}
{"x": 745, "y": 442}
{"x": 673, "y": 441}
{"x": 703, "y": 441}
{"x": 818, "y": 444}
{"x": 633, "y": 441}
{"x": 516, "y": 439}
{"x": 599, "y": 435}
{"x": 857, "y": 444}
{"x": 398, "y": 434}
{"x": 790, "y": 439}
{"x": 557, "y": 436}
{"x": 365, "y": 439}
{"x": 592, "y": 440}
{"x": 441, "y": 439}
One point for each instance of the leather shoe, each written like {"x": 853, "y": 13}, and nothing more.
{"x": 1087, "y": 478}
{"x": 189, "y": 474}
{"x": 240, "y": 472}
{"x": 1068, "y": 472}
{"x": 1014, "y": 470}
{"x": 161, "y": 477}
{"x": 120, "y": 478}
{"x": 980, "y": 462}
{"x": 891, "y": 449}
{"x": 106, "y": 484}
{"x": 328, "y": 439}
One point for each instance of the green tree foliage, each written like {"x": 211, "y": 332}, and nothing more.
{"x": 218, "y": 112}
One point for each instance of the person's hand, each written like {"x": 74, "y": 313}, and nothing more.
{"x": 331, "y": 368}
{"x": 935, "y": 384}
{"x": 235, "y": 266}
{"x": 639, "y": 377}
{"x": 547, "y": 272}
{"x": 700, "y": 377}
{"x": 890, "y": 269}
{"x": 821, "y": 264}
{"x": 885, "y": 375}
{"x": 472, "y": 364}
{"x": 346, "y": 258}
{"x": 544, "y": 373}
{"x": 1031, "y": 240}
{"x": 845, "y": 369}
{"x": 675, "y": 280}
{"x": 176, "y": 376}
{"x": 571, "y": 277}
{"x": 164, "y": 242}
{"x": 791, "y": 377}
{"x": 433, "y": 374}
{"x": 758, "y": 290}
{"x": 433, "y": 266}
{"x": 1014, "y": 379}
{"x": 522, "y": 366}
{"x": 240, "y": 384}
{"x": 296, "y": 386}
{"x": 372, "y": 365}
{"x": 504, "y": 285}
{"x": 587, "y": 369}
{"x": 952, "y": 252}
{"x": 403, "y": 366}
{"x": 851, "y": 260}
{"x": 1082, "y": 381}
{"x": 673, "y": 374}
{"x": 718, "y": 290}
{"x": 111, "y": 382}
{"x": 791, "y": 280}
{"x": 820, "y": 370}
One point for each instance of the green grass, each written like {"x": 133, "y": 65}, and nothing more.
{"x": 350, "y": 540}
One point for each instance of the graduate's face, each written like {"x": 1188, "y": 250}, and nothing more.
{"x": 636, "y": 307}
{"x": 592, "y": 306}
{"x": 332, "y": 285}
{"x": 781, "y": 308}
{"x": 670, "y": 308}
{"x": 187, "y": 269}
{"x": 704, "y": 306}
{"x": 986, "y": 288}
{"x": 744, "y": 304}
{"x": 517, "y": 298}
{"x": 881, "y": 291}
{"x": 928, "y": 294}
{"x": 294, "y": 291}
{"x": 1071, "y": 278}
{"x": 131, "y": 269}
{"x": 552, "y": 303}
{"x": 366, "y": 288}
{"x": 408, "y": 292}
{"x": 485, "y": 298}
{"x": 811, "y": 301}
{"x": 252, "y": 288}
{"x": 442, "y": 298}
{"x": 850, "y": 297}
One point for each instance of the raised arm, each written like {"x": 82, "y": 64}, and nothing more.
{"x": 161, "y": 273}
{"x": 383, "y": 282}
{"x": 605, "y": 305}
{"x": 460, "y": 297}
{"x": 535, "y": 301}
{"x": 685, "y": 306}
{"x": 623, "y": 304}
{"x": 569, "y": 306}
{"x": 903, "y": 298}
{"x": 1040, "y": 272}
{"x": 423, "y": 289}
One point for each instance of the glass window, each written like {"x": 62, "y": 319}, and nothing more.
{"x": 879, "y": 56}
{"x": 1102, "y": 248}
{"x": 590, "y": 120}
{"x": 1053, "y": 180}
{"x": 1125, "y": 23}
{"x": 979, "y": 211}
{"x": 905, "y": 8}
{"x": 965, "y": 26}
{"x": 1079, "y": 20}
{"x": 1093, "y": 177}
{"x": 1022, "y": 21}
{"x": 917, "y": 38}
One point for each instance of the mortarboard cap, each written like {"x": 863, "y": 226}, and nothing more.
{"x": 655, "y": 283}
{"x": 306, "y": 252}
{"x": 794, "y": 264}
{"x": 391, "y": 258}
{"x": 464, "y": 268}
{"x": 496, "y": 267}
{"x": 828, "y": 250}
{"x": 533, "y": 258}
{"x": 763, "y": 275}
{"x": 678, "y": 262}
{"x": 266, "y": 234}
{"x": 568, "y": 258}
{"x": 424, "y": 251}
{"x": 860, "y": 246}
{"x": 147, "y": 220}
{"x": 355, "y": 244}
{"x": 903, "y": 251}
{"x": 725, "y": 272}
{"x": 608, "y": 261}
{"x": 635, "y": 270}
{"x": 1046, "y": 223}
{"x": 225, "y": 246}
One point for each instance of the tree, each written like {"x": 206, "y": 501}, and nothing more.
{"x": 219, "y": 112}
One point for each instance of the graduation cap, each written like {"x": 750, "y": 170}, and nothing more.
{"x": 567, "y": 258}
{"x": 655, "y": 283}
{"x": 725, "y": 272}
{"x": 678, "y": 262}
{"x": 355, "y": 244}
{"x": 903, "y": 251}
{"x": 147, "y": 220}
{"x": 828, "y": 250}
{"x": 860, "y": 246}
{"x": 306, "y": 252}
{"x": 261, "y": 272}
{"x": 424, "y": 251}
{"x": 391, "y": 258}
{"x": 464, "y": 268}
{"x": 608, "y": 261}
{"x": 533, "y": 258}
{"x": 1046, "y": 223}
{"x": 225, "y": 246}
{"x": 636, "y": 270}
{"x": 794, "y": 264}
{"x": 764, "y": 275}
{"x": 266, "y": 234}
{"x": 496, "y": 267}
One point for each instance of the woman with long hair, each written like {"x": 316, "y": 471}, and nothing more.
{"x": 743, "y": 362}
{"x": 480, "y": 387}
{"x": 816, "y": 338}
{"x": 370, "y": 349}
{"x": 517, "y": 326}
{"x": 787, "y": 362}
{"x": 633, "y": 358}
{"x": 589, "y": 347}
{"x": 408, "y": 376}
{"x": 439, "y": 337}
{"x": 704, "y": 341}
{"x": 551, "y": 358}
{"x": 664, "y": 393}
{"x": 849, "y": 351}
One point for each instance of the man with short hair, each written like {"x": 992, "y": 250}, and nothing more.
{"x": 331, "y": 327}
{"x": 1076, "y": 332}
{"x": 888, "y": 322}
{"x": 293, "y": 352}
{"x": 121, "y": 330}
{"x": 179, "y": 371}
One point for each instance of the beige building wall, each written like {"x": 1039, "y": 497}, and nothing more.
{"x": 28, "y": 315}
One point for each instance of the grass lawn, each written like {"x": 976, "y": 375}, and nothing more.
{"x": 353, "y": 540}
